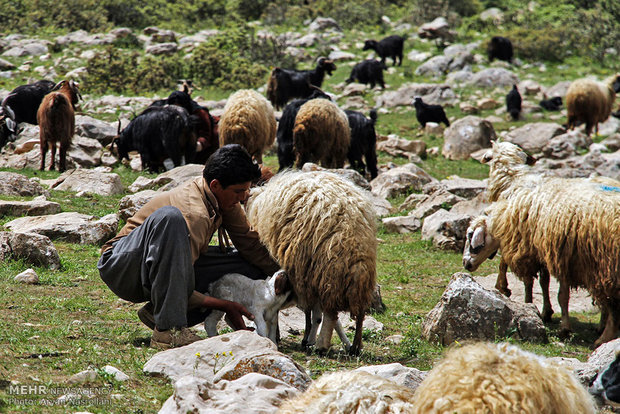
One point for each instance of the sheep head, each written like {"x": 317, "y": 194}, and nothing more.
{"x": 479, "y": 245}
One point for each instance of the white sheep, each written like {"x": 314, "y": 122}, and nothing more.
{"x": 249, "y": 121}
{"x": 321, "y": 229}
{"x": 569, "y": 225}
{"x": 500, "y": 379}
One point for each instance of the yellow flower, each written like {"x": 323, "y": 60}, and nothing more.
{"x": 198, "y": 354}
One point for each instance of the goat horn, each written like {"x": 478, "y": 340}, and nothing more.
{"x": 118, "y": 132}
{"x": 7, "y": 108}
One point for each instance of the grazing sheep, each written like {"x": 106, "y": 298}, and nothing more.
{"x": 368, "y": 71}
{"x": 590, "y": 102}
{"x": 500, "y": 48}
{"x": 551, "y": 104}
{"x": 567, "y": 224}
{"x": 284, "y": 134}
{"x": 321, "y": 134}
{"x": 321, "y": 229}
{"x": 513, "y": 103}
{"x": 351, "y": 392}
{"x": 429, "y": 113}
{"x": 391, "y": 46}
{"x": 249, "y": 121}
{"x": 287, "y": 84}
{"x": 56, "y": 118}
{"x": 363, "y": 142}
{"x": 500, "y": 379}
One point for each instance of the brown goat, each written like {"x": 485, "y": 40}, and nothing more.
{"x": 56, "y": 118}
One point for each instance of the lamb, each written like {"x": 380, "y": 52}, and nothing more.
{"x": 429, "y": 113}
{"x": 551, "y": 104}
{"x": 249, "y": 121}
{"x": 284, "y": 134}
{"x": 391, "y": 46}
{"x": 56, "y": 118}
{"x": 590, "y": 102}
{"x": 287, "y": 84}
{"x": 263, "y": 298}
{"x": 568, "y": 225}
{"x": 500, "y": 378}
{"x": 321, "y": 134}
{"x": 513, "y": 103}
{"x": 321, "y": 228}
{"x": 369, "y": 71}
{"x": 500, "y": 48}
{"x": 363, "y": 142}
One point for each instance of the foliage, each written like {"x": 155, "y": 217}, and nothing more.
{"x": 539, "y": 44}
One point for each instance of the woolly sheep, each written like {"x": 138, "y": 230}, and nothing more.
{"x": 567, "y": 224}
{"x": 249, "y": 121}
{"x": 321, "y": 134}
{"x": 590, "y": 102}
{"x": 500, "y": 378}
{"x": 351, "y": 392}
{"x": 321, "y": 229}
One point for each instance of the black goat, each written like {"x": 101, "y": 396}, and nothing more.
{"x": 500, "y": 48}
{"x": 429, "y": 113}
{"x": 391, "y": 46}
{"x": 363, "y": 142}
{"x": 368, "y": 71}
{"x": 551, "y": 104}
{"x": 158, "y": 133}
{"x": 513, "y": 103}
{"x": 287, "y": 84}
{"x": 284, "y": 134}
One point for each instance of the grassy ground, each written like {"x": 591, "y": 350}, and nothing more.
{"x": 71, "y": 322}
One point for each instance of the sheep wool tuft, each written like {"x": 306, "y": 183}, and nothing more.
{"x": 485, "y": 378}
{"x": 321, "y": 229}
{"x": 249, "y": 121}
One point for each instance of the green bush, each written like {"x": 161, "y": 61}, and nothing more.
{"x": 539, "y": 44}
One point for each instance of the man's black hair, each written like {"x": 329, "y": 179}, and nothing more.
{"x": 231, "y": 164}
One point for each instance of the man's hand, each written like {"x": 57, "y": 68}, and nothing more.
{"x": 234, "y": 312}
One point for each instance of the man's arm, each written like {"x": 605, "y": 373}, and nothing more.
{"x": 233, "y": 310}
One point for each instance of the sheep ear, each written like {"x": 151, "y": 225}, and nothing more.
{"x": 487, "y": 157}
{"x": 477, "y": 240}
{"x": 282, "y": 283}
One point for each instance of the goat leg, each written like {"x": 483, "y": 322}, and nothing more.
{"x": 53, "y": 154}
{"x": 62, "y": 163}
{"x": 43, "y": 144}
{"x": 543, "y": 279}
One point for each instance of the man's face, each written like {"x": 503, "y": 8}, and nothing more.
{"x": 228, "y": 197}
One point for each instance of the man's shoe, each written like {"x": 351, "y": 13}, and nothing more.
{"x": 145, "y": 313}
{"x": 173, "y": 338}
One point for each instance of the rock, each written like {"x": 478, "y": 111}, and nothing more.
{"x": 417, "y": 56}
{"x": 37, "y": 207}
{"x": 400, "y": 374}
{"x": 435, "y": 66}
{"x": 431, "y": 93}
{"x": 89, "y": 181}
{"x": 6, "y": 65}
{"x": 88, "y": 375}
{"x": 533, "y": 137}
{"x": 402, "y": 147}
{"x": 412, "y": 201}
{"x": 28, "y": 277}
{"x": 433, "y": 128}
{"x": 467, "y": 311}
{"x": 462, "y": 187}
{"x": 162, "y": 49}
{"x": 473, "y": 207}
{"x": 89, "y": 127}
{"x": 32, "y": 248}
{"x": 437, "y": 29}
{"x": 408, "y": 177}
{"x": 566, "y": 145}
{"x": 321, "y": 24}
{"x": 494, "y": 77}
{"x": 130, "y": 204}
{"x": 354, "y": 89}
{"x": 339, "y": 55}
{"x": 559, "y": 89}
{"x": 13, "y": 184}
{"x": 253, "y": 394}
{"x": 116, "y": 373}
{"x": 610, "y": 126}
{"x": 493, "y": 14}
{"x": 351, "y": 175}
{"x": 446, "y": 229}
{"x": 529, "y": 87}
{"x": 381, "y": 205}
{"x": 466, "y": 136}
{"x": 68, "y": 227}
{"x": 487, "y": 103}
{"x": 437, "y": 200}
{"x": 206, "y": 360}
{"x": 402, "y": 224}
{"x": 305, "y": 41}
{"x": 168, "y": 180}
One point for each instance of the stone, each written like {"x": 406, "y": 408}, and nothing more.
{"x": 6, "y": 65}
{"x": 116, "y": 373}
{"x": 168, "y": 180}
{"x": 14, "y": 184}
{"x": 566, "y": 145}
{"x": 433, "y": 128}
{"x": 446, "y": 229}
{"x": 321, "y": 24}
{"x": 436, "y": 66}
{"x": 473, "y": 207}
{"x": 408, "y": 177}
{"x": 412, "y": 201}
{"x": 398, "y": 373}
{"x": 90, "y": 127}
{"x": 130, "y": 204}
{"x": 381, "y": 205}
{"x": 466, "y": 136}
{"x": 431, "y": 93}
{"x": 69, "y": 227}
{"x": 468, "y": 311}
{"x": 437, "y": 200}
{"x": 32, "y": 248}
{"x": 399, "y": 147}
{"x": 162, "y": 49}
{"x": 88, "y": 375}
{"x": 463, "y": 187}
{"x": 39, "y": 206}
{"x": 402, "y": 224}
{"x": 533, "y": 137}
{"x": 89, "y": 181}
{"x": 494, "y": 77}
{"x": 437, "y": 29}
{"x": 351, "y": 175}
{"x": 28, "y": 277}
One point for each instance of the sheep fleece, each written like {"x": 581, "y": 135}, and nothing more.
{"x": 487, "y": 378}
{"x": 249, "y": 121}
{"x": 588, "y": 101}
{"x": 321, "y": 134}
{"x": 321, "y": 228}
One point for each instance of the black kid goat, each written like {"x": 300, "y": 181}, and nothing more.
{"x": 391, "y": 46}
{"x": 363, "y": 142}
{"x": 429, "y": 113}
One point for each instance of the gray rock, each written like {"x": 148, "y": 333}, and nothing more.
{"x": 430, "y": 93}
{"x": 566, "y": 145}
{"x": 351, "y": 175}
{"x": 473, "y": 207}
{"x": 6, "y": 65}
{"x": 116, "y": 373}
{"x": 32, "y": 248}
{"x": 85, "y": 152}
{"x": 39, "y": 206}
{"x": 89, "y": 127}
{"x": 533, "y": 137}
{"x": 28, "y": 277}
{"x": 400, "y": 374}
{"x": 130, "y": 204}
{"x": 402, "y": 224}
{"x": 559, "y": 89}
{"x": 13, "y": 184}
{"x": 89, "y": 181}
{"x": 437, "y": 200}
{"x": 305, "y": 41}
{"x": 68, "y": 227}
{"x": 467, "y": 135}
{"x": 339, "y": 55}
{"x": 417, "y": 56}
{"x": 493, "y": 77}
{"x": 435, "y": 66}
{"x": 399, "y": 147}
{"x": 412, "y": 201}
{"x": 321, "y": 24}
{"x": 437, "y": 29}
{"x": 88, "y": 375}
{"x": 408, "y": 177}
{"x": 169, "y": 179}
{"x": 468, "y": 311}
{"x": 462, "y": 187}
{"x": 446, "y": 229}
{"x": 162, "y": 49}
{"x": 493, "y": 14}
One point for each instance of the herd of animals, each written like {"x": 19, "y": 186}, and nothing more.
{"x": 312, "y": 128}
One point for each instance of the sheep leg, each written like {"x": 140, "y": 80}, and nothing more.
{"x": 603, "y": 321}
{"x": 543, "y": 279}
{"x": 357, "y": 341}
{"x": 43, "y": 152}
{"x": 261, "y": 326}
{"x": 324, "y": 340}
{"x": 563, "y": 297}
{"x": 611, "y": 308}
{"x": 501, "y": 283}
{"x": 528, "y": 283}
{"x": 343, "y": 336}
{"x": 211, "y": 321}
{"x": 314, "y": 317}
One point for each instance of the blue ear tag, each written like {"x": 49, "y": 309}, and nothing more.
{"x": 609, "y": 188}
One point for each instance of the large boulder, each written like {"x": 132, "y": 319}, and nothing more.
{"x": 446, "y": 229}
{"x": 89, "y": 181}
{"x": 534, "y": 137}
{"x": 468, "y": 311}
{"x": 130, "y": 204}
{"x": 408, "y": 177}
{"x": 32, "y": 248}
{"x": 494, "y": 77}
{"x": 168, "y": 180}
{"x": 398, "y": 147}
{"x": 90, "y": 127}
{"x": 14, "y": 184}
{"x": 398, "y": 373}
{"x": 467, "y": 135}
{"x": 39, "y": 206}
